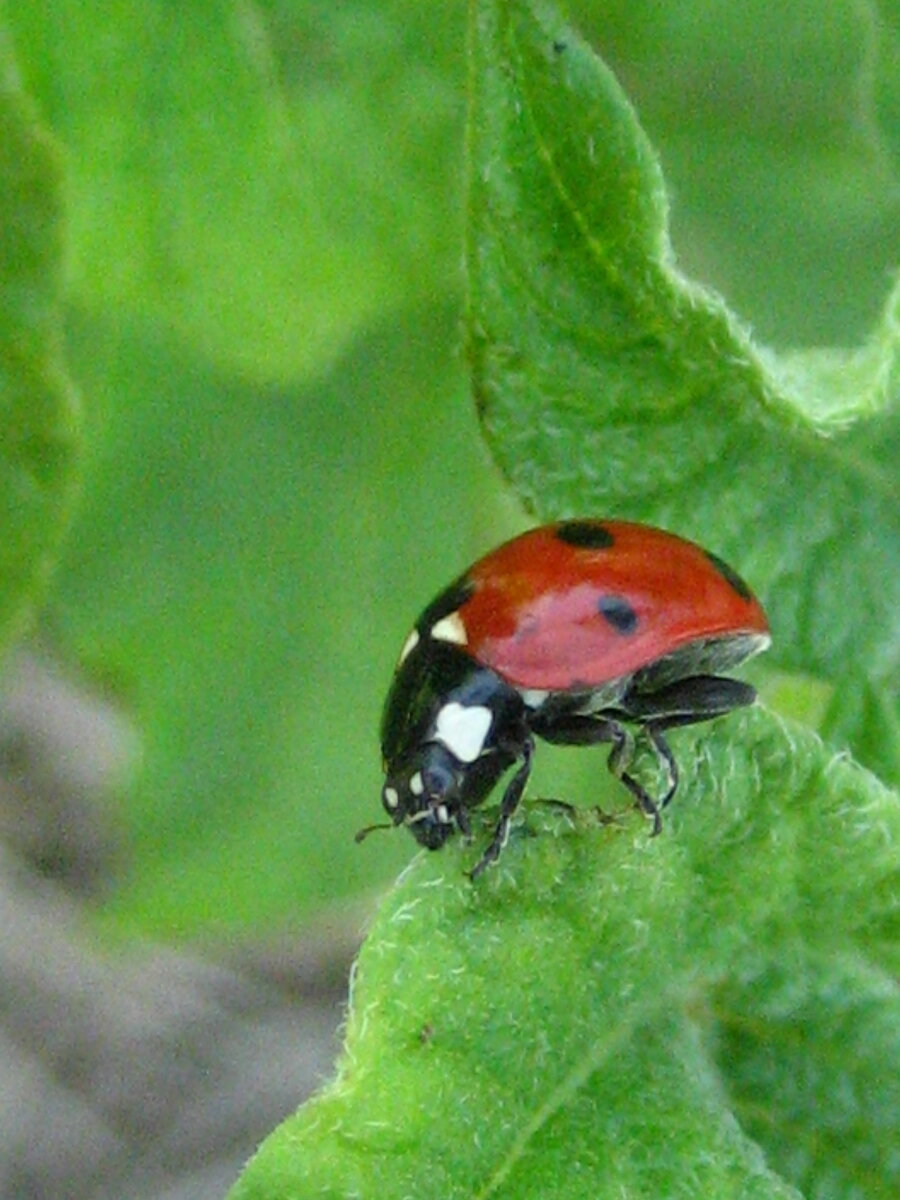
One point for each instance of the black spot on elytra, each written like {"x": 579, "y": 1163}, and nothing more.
{"x": 619, "y": 613}
{"x": 449, "y": 601}
{"x": 730, "y": 576}
{"x": 586, "y": 535}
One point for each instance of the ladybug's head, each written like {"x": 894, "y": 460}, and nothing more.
{"x": 449, "y": 730}
{"x": 425, "y": 794}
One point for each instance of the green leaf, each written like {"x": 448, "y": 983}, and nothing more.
{"x": 597, "y": 1016}
{"x": 823, "y": 1037}
{"x": 260, "y": 178}
{"x": 780, "y": 139}
{"x": 865, "y": 716}
{"x": 39, "y": 425}
{"x": 608, "y": 382}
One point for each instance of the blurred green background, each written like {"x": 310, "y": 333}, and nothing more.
{"x": 266, "y": 295}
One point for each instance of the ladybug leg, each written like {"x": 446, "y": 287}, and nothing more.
{"x": 465, "y": 826}
{"x": 620, "y": 760}
{"x": 687, "y": 702}
{"x": 665, "y": 758}
{"x": 582, "y": 729}
{"x": 508, "y": 806}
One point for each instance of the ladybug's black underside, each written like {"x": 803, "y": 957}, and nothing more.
{"x": 437, "y": 676}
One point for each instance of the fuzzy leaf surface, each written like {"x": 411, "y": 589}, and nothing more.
{"x": 564, "y": 1023}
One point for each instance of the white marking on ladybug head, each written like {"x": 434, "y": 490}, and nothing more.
{"x": 408, "y": 646}
{"x": 416, "y": 784}
{"x": 463, "y": 729}
{"x": 450, "y": 629}
{"x": 391, "y": 797}
{"x": 442, "y": 812}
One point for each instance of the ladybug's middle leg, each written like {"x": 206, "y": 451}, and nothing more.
{"x": 582, "y": 729}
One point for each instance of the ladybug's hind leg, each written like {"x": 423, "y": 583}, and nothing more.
{"x": 666, "y": 760}
{"x": 620, "y": 759}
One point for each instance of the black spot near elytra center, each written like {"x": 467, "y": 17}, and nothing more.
{"x": 619, "y": 613}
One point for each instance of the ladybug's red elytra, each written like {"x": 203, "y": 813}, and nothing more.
{"x": 574, "y": 632}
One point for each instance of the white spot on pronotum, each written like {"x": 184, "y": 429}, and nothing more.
{"x": 416, "y": 784}
{"x": 533, "y": 697}
{"x": 450, "y": 629}
{"x": 391, "y": 798}
{"x": 442, "y": 812}
{"x": 463, "y": 729}
{"x": 408, "y": 646}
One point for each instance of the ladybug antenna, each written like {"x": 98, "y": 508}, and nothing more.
{"x": 362, "y": 834}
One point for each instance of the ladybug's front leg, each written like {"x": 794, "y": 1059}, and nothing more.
{"x": 508, "y": 806}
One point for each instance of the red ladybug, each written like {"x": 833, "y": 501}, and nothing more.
{"x": 572, "y": 632}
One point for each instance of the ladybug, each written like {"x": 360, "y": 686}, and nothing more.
{"x": 578, "y": 632}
